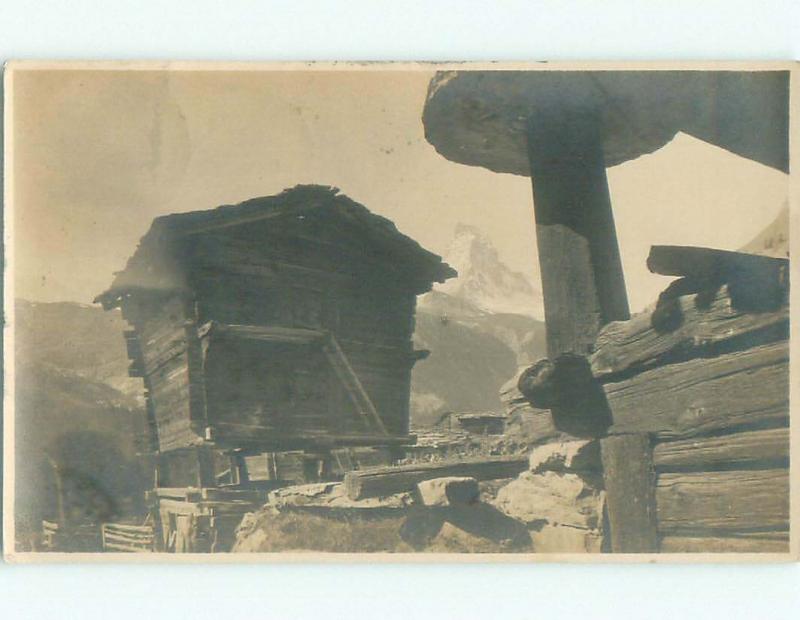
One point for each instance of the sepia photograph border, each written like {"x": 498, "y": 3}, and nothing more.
{"x": 11, "y": 555}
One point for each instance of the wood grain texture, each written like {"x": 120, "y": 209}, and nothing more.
{"x": 630, "y": 481}
{"x": 716, "y": 544}
{"x": 746, "y": 388}
{"x": 711, "y": 264}
{"x": 729, "y": 501}
{"x": 382, "y": 481}
{"x": 745, "y": 449}
{"x": 579, "y": 258}
{"x": 637, "y": 345}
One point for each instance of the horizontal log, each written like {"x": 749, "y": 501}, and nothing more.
{"x": 628, "y": 346}
{"x": 252, "y": 436}
{"x": 246, "y": 495}
{"x": 128, "y": 548}
{"x": 700, "y": 396}
{"x": 205, "y": 507}
{"x": 713, "y": 265}
{"x": 127, "y": 539}
{"x": 725, "y": 501}
{"x": 266, "y": 333}
{"x": 124, "y": 527}
{"x": 715, "y": 544}
{"x": 749, "y": 448}
{"x": 383, "y": 481}
{"x": 182, "y": 493}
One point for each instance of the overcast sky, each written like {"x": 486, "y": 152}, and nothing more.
{"x": 99, "y": 154}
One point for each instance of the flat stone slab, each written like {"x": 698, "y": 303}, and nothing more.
{"x": 482, "y": 118}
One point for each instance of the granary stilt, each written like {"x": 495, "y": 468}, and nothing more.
{"x": 563, "y": 128}
{"x": 582, "y": 277}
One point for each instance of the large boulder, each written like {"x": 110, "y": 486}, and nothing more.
{"x": 552, "y": 498}
{"x": 448, "y": 491}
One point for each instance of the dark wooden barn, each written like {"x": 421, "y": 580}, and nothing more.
{"x": 280, "y": 323}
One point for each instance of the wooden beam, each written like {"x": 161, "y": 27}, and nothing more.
{"x": 714, "y": 265}
{"x": 730, "y": 544}
{"x": 755, "y": 282}
{"x": 287, "y": 335}
{"x": 256, "y": 438}
{"x": 630, "y": 483}
{"x": 383, "y": 481}
{"x": 723, "y": 501}
{"x": 352, "y": 384}
{"x": 737, "y": 390}
{"x": 638, "y": 344}
{"x": 579, "y": 260}
{"x": 747, "y": 449}
{"x": 205, "y": 468}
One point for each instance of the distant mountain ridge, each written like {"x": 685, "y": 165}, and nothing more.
{"x": 75, "y": 406}
{"x": 82, "y": 339}
{"x": 480, "y": 328}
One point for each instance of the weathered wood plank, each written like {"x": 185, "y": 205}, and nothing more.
{"x": 382, "y": 481}
{"x": 725, "y": 501}
{"x": 268, "y": 333}
{"x": 352, "y": 384}
{"x": 703, "y": 395}
{"x": 110, "y": 535}
{"x": 714, "y": 265}
{"x": 125, "y": 527}
{"x": 123, "y": 547}
{"x": 636, "y": 344}
{"x": 630, "y": 483}
{"x": 697, "y": 544}
{"x": 262, "y": 437}
{"x": 734, "y": 450}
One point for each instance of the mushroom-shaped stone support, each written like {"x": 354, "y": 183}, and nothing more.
{"x": 563, "y": 128}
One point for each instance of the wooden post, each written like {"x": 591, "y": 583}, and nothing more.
{"x": 630, "y": 493}
{"x": 205, "y": 469}
{"x": 238, "y": 468}
{"x": 582, "y": 278}
{"x": 62, "y": 517}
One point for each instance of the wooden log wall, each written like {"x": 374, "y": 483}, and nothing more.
{"x": 168, "y": 359}
{"x": 383, "y": 481}
{"x": 268, "y": 280}
{"x": 314, "y": 272}
{"x": 708, "y": 399}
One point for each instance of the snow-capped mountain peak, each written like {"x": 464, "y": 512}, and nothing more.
{"x": 484, "y": 281}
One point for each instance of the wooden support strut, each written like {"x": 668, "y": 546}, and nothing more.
{"x": 582, "y": 277}
{"x": 352, "y": 384}
{"x": 630, "y": 493}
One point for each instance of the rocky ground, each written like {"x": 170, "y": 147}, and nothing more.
{"x": 554, "y": 506}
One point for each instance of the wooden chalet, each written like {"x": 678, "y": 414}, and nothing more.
{"x": 280, "y": 323}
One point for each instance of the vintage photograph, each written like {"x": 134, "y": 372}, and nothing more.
{"x": 391, "y": 309}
